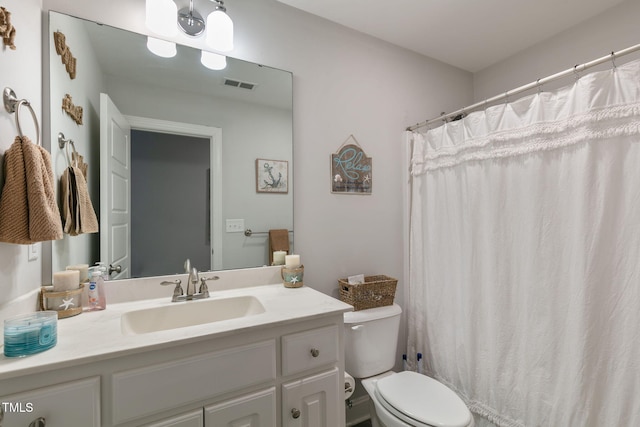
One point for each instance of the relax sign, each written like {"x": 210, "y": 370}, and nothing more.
{"x": 351, "y": 169}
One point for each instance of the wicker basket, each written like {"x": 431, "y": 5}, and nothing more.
{"x": 376, "y": 291}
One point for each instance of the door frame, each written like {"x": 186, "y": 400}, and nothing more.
{"x": 214, "y": 135}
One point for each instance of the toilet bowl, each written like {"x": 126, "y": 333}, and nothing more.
{"x": 403, "y": 399}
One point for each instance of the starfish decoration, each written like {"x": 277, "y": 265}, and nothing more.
{"x": 294, "y": 280}
{"x": 66, "y": 303}
{"x": 367, "y": 178}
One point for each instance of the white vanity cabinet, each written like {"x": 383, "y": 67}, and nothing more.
{"x": 75, "y": 403}
{"x": 285, "y": 370}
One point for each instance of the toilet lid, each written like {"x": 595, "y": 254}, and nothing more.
{"x": 412, "y": 396}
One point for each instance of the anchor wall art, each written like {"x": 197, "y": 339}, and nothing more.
{"x": 272, "y": 176}
{"x": 351, "y": 169}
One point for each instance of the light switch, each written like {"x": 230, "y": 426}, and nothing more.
{"x": 235, "y": 225}
{"x": 34, "y": 252}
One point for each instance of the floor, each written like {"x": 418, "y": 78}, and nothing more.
{"x": 364, "y": 424}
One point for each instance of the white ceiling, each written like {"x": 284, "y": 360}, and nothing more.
{"x": 469, "y": 34}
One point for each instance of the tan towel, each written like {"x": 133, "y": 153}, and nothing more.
{"x": 78, "y": 214}
{"x": 278, "y": 241}
{"x": 28, "y": 209}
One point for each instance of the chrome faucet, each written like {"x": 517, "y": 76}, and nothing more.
{"x": 192, "y": 282}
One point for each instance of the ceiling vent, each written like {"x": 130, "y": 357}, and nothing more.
{"x": 239, "y": 84}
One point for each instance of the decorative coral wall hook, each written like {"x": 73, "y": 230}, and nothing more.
{"x": 7, "y": 30}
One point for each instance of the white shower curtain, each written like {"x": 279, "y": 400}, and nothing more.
{"x": 525, "y": 255}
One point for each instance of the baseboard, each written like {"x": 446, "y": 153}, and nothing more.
{"x": 358, "y": 412}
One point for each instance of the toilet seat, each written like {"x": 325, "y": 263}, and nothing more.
{"x": 421, "y": 401}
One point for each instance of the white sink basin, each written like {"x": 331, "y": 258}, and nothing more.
{"x": 188, "y": 313}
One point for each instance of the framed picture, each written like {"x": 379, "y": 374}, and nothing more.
{"x": 272, "y": 176}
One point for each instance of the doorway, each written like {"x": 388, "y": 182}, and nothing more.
{"x": 176, "y": 197}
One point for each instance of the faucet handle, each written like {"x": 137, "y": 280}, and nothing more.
{"x": 203, "y": 285}
{"x": 177, "y": 291}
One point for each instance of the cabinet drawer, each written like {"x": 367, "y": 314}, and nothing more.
{"x": 148, "y": 390}
{"x": 76, "y": 403}
{"x": 309, "y": 349}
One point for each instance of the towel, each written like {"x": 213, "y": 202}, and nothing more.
{"x": 278, "y": 241}
{"x": 78, "y": 215}
{"x": 28, "y": 209}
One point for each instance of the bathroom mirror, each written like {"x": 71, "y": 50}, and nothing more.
{"x": 189, "y": 186}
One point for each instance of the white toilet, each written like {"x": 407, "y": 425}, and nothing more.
{"x": 399, "y": 399}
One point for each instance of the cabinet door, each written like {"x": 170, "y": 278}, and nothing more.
{"x": 190, "y": 419}
{"x": 313, "y": 401}
{"x": 253, "y": 410}
{"x": 76, "y": 403}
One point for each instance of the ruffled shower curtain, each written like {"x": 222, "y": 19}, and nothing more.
{"x": 525, "y": 255}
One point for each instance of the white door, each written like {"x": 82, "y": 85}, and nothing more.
{"x": 313, "y": 401}
{"x": 115, "y": 188}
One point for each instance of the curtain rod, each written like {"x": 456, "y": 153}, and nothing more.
{"x": 577, "y": 69}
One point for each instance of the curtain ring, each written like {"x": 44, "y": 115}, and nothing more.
{"x": 539, "y": 86}
{"x": 575, "y": 71}
{"x": 613, "y": 59}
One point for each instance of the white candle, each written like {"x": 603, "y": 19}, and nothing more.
{"x": 278, "y": 257}
{"x": 292, "y": 261}
{"x": 66, "y": 280}
{"x": 83, "y": 269}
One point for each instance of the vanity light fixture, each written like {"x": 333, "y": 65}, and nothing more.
{"x": 161, "y": 48}
{"x": 213, "y": 61}
{"x": 161, "y": 18}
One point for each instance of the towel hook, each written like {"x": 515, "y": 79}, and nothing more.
{"x": 12, "y": 104}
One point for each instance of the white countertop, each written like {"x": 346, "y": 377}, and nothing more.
{"x": 95, "y": 336}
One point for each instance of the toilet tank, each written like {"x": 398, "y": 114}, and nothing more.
{"x": 371, "y": 340}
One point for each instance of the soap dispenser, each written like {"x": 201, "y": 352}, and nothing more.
{"x": 96, "y": 297}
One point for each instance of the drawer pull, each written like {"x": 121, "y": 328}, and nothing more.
{"x": 315, "y": 352}
{"x": 295, "y": 413}
{"x": 38, "y": 422}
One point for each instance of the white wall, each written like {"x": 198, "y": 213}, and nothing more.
{"x": 613, "y": 30}
{"x": 21, "y": 71}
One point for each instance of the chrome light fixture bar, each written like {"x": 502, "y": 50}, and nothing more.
{"x": 190, "y": 21}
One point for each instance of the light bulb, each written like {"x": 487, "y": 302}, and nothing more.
{"x": 161, "y": 17}
{"x": 219, "y": 31}
{"x": 161, "y": 48}
{"x": 213, "y": 61}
